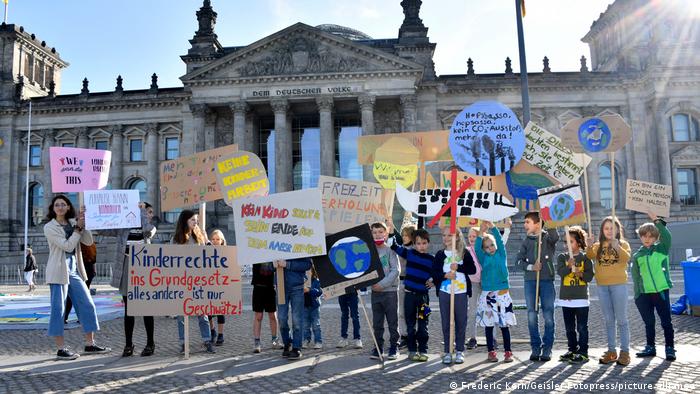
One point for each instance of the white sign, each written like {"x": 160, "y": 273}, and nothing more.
{"x": 546, "y": 151}
{"x": 112, "y": 209}
{"x": 648, "y": 197}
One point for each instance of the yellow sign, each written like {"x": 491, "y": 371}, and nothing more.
{"x": 396, "y": 161}
{"x": 431, "y": 145}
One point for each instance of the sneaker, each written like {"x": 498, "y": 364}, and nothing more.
{"x": 219, "y": 340}
{"x": 342, "y": 343}
{"x": 393, "y": 354}
{"x": 94, "y": 349}
{"x": 318, "y": 345}
{"x": 447, "y": 359}
{"x": 471, "y": 344}
{"x": 648, "y": 351}
{"x": 413, "y": 356}
{"x": 148, "y": 350}
{"x": 375, "y": 355}
{"x": 403, "y": 342}
{"x": 508, "y": 357}
{"x": 546, "y": 355}
{"x": 306, "y": 344}
{"x": 459, "y": 358}
{"x": 208, "y": 347}
{"x": 287, "y": 351}
{"x": 608, "y": 357}
{"x": 670, "y": 353}
{"x": 492, "y": 357}
{"x": 566, "y": 357}
{"x": 422, "y": 357}
{"x": 66, "y": 354}
{"x": 624, "y": 358}
{"x": 128, "y": 351}
{"x": 579, "y": 359}
{"x": 534, "y": 356}
{"x": 257, "y": 348}
{"x": 357, "y": 343}
{"x": 295, "y": 354}
{"x": 276, "y": 344}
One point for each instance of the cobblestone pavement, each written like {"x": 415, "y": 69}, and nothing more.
{"x": 27, "y": 364}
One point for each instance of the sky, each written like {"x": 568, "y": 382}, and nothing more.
{"x": 136, "y": 38}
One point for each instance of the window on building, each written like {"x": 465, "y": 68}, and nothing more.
{"x": 38, "y": 72}
{"x": 27, "y": 66}
{"x": 605, "y": 182}
{"x": 68, "y": 145}
{"x": 136, "y": 150}
{"x": 687, "y": 186}
{"x": 48, "y": 75}
{"x": 171, "y": 216}
{"x": 347, "y": 130}
{"x": 102, "y": 145}
{"x": 306, "y": 151}
{"x": 140, "y": 185}
{"x": 35, "y": 155}
{"x": 684, "y": 127}
{"x": 266, "y": 147}
{"x": 36, "y": 203}
{"x": 172, "y": 148}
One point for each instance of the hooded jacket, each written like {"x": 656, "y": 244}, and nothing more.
{"x": 650, "y": 265}
{"x": 527, "y": 255}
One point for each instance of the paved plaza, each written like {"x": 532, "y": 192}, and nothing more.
{"x": 27, "y": 364}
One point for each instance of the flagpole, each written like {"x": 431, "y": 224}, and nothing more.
{"x": 524, "y": 90}
{"x": 6, "y": 5}
{"x": 26, "y": 183}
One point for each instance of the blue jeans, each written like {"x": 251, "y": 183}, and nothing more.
{"x": 312, "y": 322}
{"x": 348, "y": 306}
{"x": 295, "y": 299}
{"x": 79, "y": 293}
{"x": 540, "y": 344}
{"x": 203, "y": 328}
{"x": 613, "y": 302}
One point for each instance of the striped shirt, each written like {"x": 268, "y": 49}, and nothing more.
{"x": 418, "y": 268}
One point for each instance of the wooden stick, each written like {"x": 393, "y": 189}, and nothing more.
{"x": 612, "y": 187}
{"x": 186, "y": 319}
{"x": 187, "y": 336}
{"x": 588, "y": 198}
{"x": 537, "y": 285}
{"x": 280, "y": 286}
{"x": 371, "y": 329}
{"x": 453, "y": 283}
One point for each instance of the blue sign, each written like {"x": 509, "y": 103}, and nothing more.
{"x": 562, "y": 207}
{"x": 486, "y": 139}
{"x": 594, "y": 135}
{"x": 350, "y": 257}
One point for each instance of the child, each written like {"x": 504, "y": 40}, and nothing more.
{"x": 312, "y": 307}
{"x": 294, "y": 278}
{"x": 575, "y": 274}
{"x": 610, "y": 256}
{"x": 527, "y": 260}
{"x": 495, "y": 304}
{"x": 407, "y": 233}
{"x": 452, "y": 271}
{"x": 417, "y": 281}
{"x": 652, "y": 283}
{"x": 385, "y": 303}
{"x": 29, "y": 269}
{"x": 264, "y": 300}
{"x": 348, "y": 309}
{"x": 217, "y": 239}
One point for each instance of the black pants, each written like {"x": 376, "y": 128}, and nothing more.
{"x": 646, "y": 303}
{"x": 130, "y": 322}
{"x": 220, "y": 319}
{"x": 417, "y": 339}
{"x": 490, "y": 339}
{"x": 69, "y": 304}
{"x": 576, "y": 320}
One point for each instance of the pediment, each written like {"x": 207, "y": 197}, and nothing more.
{"x": 688, "y": 155}
{"x": 301, "y": 50}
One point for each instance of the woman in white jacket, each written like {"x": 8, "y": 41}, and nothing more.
{"x": 65, "y": 275}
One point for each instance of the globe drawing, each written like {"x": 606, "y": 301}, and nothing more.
{"x": 350, "y": 257}
{"x": 594, "y": 135}
{"x": 562, "y": 207}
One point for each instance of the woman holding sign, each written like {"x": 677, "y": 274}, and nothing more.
{"x": 187, "y": 232}
{"x": 65, "y": 275}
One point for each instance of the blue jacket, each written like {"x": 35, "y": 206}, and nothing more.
{"x": 295, "y": 274}
{"x": 312, "y": 299}
{"x": 494, "y": 272}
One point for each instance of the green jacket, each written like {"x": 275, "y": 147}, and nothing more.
{"x": 650, "y": 271}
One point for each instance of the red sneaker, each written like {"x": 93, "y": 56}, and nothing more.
{"x": 508, "y": 357}
{"x": 493, "y": 357}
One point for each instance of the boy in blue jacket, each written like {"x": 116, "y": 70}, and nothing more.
{"x": 312, "y": 307}
{"x": 294, "y": 278}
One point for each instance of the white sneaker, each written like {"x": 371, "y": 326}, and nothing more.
{"x": 276, "y": 344}
{"x": 257, "y": 348}
{"x": 306, "y": 345}
{"x": 318, "y": 345}
{"x": 459, "y": 358}
{"x": 343, "y": 342}
{"x": 447, "y": 358}
{"x": 357, "y": 343}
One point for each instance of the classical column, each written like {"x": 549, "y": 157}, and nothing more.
{"x": 82, "y": 133}
{"x": 49, "y": 141}
{"x": 116, "y": 170}
{"x": 325, "y": 108}
{"x": 239, "y": 109}
{"x": 283, "y": 147}
{"x": 209, "y": 130}
{"x": 408, "y": 108}
{"x": 367, "y": 110}
{"x": 664, "y": 161}
{"x": 198, "y": 122}
{"x": 153, "y": 190}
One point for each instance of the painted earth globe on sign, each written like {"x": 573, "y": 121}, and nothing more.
{"x": 350, "y": 257}
{"x": 594, "y": 135}
{"x": 562, "y": 207}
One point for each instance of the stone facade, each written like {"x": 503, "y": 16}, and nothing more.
{"x": 330, "y": 77}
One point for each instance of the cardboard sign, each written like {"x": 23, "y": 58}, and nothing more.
{"x": 241, "y": 175}
{"x": 546, "y": 151}
{"x": 112, "y": 209}
{"x": 648, "y": 197}
{"x": 348, "y": 203}
{"x": 490, "y": 206}
{"x": 189, "y": 280}
{"x": 396, "y": 161}
{"x": 484, "y": 183}
{"x": 191, "y": 180}
{"x": 607, "y": 133}
{"x": 561, "y": 205}
{"x": 432, "y": 145}
{"x": 77, "y": 170}
{"x": 486, "y": 139}
{"x": 279, "y": 226}
{"x": 352, "y": 262}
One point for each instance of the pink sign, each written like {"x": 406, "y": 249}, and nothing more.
{"x": 77, "y": 170}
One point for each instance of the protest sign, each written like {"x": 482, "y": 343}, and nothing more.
{"x": 546, "y": 151}
{"x": 112, "y": 209}
{"x": 431, "y": 145}
{"x": 241, "y": 174}
{"x": 348, "y": 203}
{"x": 77, "y": 170}
{"x": 561, "y": 205}
{"x": 396, "y": 161}
{"x": 484, "y": 183}
{"x": 189, "y": 280}
{"x": 279, "y": 226}
{"x": 486, "y": 139}
{"x": 649, "y": 197}
{"x": 524, "y": 180}
{"x": 191, "y": 180}
{"x": 607, "y": 133}
{"x": 352, "y": 262}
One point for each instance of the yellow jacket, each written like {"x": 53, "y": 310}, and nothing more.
{"x": 56, "y": 268}
{"x": 611, "y": 269}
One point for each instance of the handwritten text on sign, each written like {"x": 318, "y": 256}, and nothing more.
{"x": 77, "y": 170}
{"x": 169, "y": 280}
{"x": 348, "y": 203}
{"x": 191, "y": 180}
{"x": 241, "y": 175}
{"x": 546, "y": 151}
{"x": 279, "y": 226}
{"x": 648, "y": 197}
{"x": 112, "y": 209}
